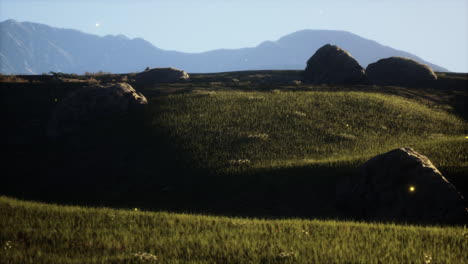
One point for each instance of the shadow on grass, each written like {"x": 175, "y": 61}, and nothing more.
{"x": 131, "y": 166}
{"x": 154, "y": 182}
{"x": 157, "y": 175}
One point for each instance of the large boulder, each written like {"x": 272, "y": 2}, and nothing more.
{"x": 399, "y": 71}
{"x": 95, "y": 134}
{"x": 94, "y": 107}
{"x": 161, "y": 75}
{"x": 332, "y": 65}
{"x": 403, "y": 186}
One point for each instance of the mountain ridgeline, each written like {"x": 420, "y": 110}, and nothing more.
{"x": 31, "y": 48}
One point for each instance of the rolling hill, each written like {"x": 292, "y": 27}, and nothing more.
{"x": 235, "y": 172}
{"x": 250, "y": 148}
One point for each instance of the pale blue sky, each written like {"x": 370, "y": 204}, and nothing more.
{"x": 437, "y": 31}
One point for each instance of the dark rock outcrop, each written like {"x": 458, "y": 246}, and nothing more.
{"x": 161, "y": 75}
{"x": 404, "y": 186}
{"x": 399, "y": 71}
{"x": 95, "y": 135}
{"x": 94, "y": 107}
{"x": 333, "y": 65}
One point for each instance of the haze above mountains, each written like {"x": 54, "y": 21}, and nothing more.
{"x": 32, "y": 48}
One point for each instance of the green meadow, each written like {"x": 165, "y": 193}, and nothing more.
{"x": 44, "y": 233}
{"x": 224, "y": 171}
{"x": 284, "y": 129}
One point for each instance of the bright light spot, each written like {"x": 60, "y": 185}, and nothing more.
{"x": 98, "y": 24}
{"x": 412, "y": 188}
{"x": 136, "y": 209}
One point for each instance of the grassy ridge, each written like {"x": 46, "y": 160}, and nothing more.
{"x": 280, "y": 153}
{"x": 275, "y": 129}
{"x": 263, "y": 154}
{"x": 41, "y": 233}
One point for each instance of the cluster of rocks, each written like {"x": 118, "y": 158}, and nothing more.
{"x": 332, "y": 65}
{"x": 401, "y": 185}
{"x": 94, "y": 107}
{"x": 96, "y": 117}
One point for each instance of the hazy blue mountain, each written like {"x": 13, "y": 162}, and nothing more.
{"x": 31, "y": 48}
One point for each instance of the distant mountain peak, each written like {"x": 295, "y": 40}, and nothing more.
{"x": 119, "y": 36}
{"x": 27, "y": 47}
{"x": 9, "y": 21}
{"x": 267, "y": 44}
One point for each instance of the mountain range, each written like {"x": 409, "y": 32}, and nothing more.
{"x": 32, "y": 48}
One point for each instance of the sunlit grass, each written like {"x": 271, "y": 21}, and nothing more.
{"x": 41, "y": 233}
{"x": 285, "y": 129}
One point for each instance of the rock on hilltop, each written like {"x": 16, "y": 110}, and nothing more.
{"x": 333, "y": 65}
{"x": 399, "y": 71}
{"x": 92, "y": 107}
{"x": 161, "y": 75}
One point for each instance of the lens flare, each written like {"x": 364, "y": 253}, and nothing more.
{"x": 412, "y": 189}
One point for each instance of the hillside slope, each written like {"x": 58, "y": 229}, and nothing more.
{"x": 270, "y": 153}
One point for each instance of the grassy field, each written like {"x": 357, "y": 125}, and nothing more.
{"x": 268, "y": 151}
{"x": 257, "y": 147}
{"x": 40, "y": 233}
